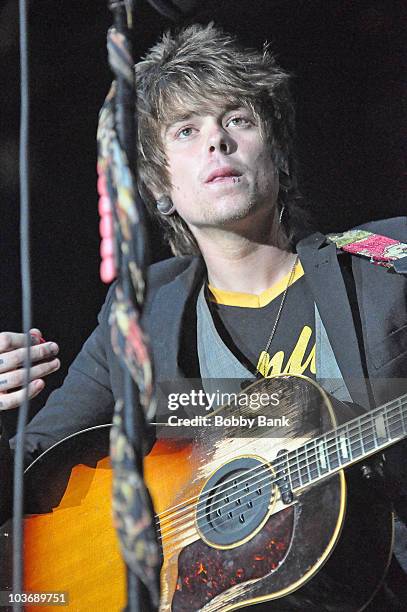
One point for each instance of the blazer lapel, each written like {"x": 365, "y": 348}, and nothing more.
{"x": 324, "y": 277}
{"x": 166, "y": 319}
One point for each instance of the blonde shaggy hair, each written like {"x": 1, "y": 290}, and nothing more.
{"x": 190, "y": 71}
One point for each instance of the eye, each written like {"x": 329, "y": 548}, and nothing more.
{"x": 239, "y": 121}
{"x": 183, "y": 133}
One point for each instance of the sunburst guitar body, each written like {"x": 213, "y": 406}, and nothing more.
{"x": 260, "y": 517}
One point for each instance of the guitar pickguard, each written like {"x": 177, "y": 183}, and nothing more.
{"x": 205, "y": 572}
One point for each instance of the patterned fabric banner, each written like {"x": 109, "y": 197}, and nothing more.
{"x": 124, "y": 235}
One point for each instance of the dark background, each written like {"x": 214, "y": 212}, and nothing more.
{"x": 347, "y": 58}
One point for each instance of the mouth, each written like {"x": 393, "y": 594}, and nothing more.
{"x": 223, "y": 175}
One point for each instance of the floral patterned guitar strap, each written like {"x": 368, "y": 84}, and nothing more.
{"x": 381, "y": 250}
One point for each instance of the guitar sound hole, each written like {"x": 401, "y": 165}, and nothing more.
{"x": 234, "y": 502}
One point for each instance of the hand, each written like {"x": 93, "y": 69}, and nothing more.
{"x": 12, "y": 355}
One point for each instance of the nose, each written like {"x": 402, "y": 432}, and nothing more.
{"x": 219, "y": 140}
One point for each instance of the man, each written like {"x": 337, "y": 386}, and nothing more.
{"x": 245, "y": 297}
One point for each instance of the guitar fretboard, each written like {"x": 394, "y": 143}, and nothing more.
{"x": 349, "y": 443}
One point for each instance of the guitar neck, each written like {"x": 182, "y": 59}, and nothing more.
{"x": 348, "y": 444}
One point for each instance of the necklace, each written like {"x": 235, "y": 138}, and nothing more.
{"x": 273, "y": 331}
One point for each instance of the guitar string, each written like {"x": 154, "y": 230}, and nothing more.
{"x": 299, "y": 455}
{"x": 173, "y": 538}
{"x": 168, "y": 533}
{"x": 289, "y": 464}
{"x": 296, "y": 460}
{"x": 219, "y": 523}
{"x": 231, "y": 503}
{"x": 180, "y": 533}
{"x": 365, "y": 417}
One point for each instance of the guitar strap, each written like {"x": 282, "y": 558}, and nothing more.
{"x": 381, "y": 250}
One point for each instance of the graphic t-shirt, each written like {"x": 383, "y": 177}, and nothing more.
{"x": 245, "y": 321}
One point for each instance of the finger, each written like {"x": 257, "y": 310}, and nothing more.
{"x": 15, "y": 359}
{"x": 36, "y": 336}
{"x": 15, "y": 399}
{"x": 11, "y": 340}
{"x": 15, "y": 379}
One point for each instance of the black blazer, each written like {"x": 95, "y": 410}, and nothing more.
{"x": 362, "y": 306}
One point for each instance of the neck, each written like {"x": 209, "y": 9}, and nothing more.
{"x": 237, "y": 263}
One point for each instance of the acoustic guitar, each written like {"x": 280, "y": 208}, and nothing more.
{"x": 260, "y": 517}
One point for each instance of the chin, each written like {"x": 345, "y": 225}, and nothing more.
{"x": 226, "y": 211}
{"x": 225, "y": 218}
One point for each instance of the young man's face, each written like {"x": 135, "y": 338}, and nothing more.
{"x": 220, "y": 168}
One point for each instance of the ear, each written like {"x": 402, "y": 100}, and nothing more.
{"x": 281, "y": 162}
{"x": 165, "y": 205}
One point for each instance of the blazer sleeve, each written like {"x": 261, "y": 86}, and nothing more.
{"x": 85, "y": 399}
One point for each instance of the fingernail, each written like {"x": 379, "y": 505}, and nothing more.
{"x": 37, "y": 338}
{"x": 54, "y": 348}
